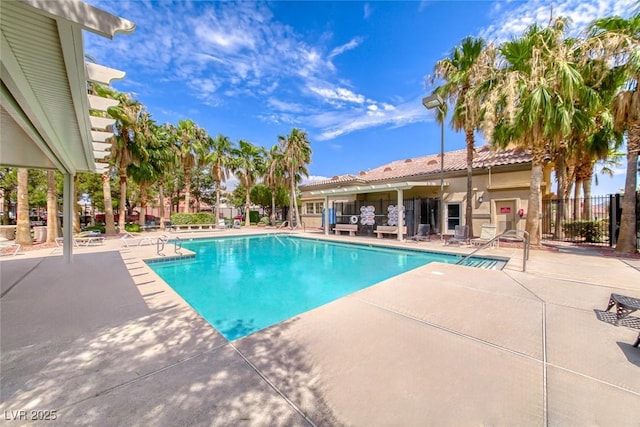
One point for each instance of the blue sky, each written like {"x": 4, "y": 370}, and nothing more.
{"x": 351, "y": 74}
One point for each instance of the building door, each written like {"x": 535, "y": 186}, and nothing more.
{"x": 505, "y": 215}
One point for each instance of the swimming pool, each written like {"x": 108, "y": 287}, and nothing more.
{"x": 243, "y": 284}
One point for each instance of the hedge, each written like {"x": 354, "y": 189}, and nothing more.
{"x": 193, "y": 218}
{"x": 591, "y": 231}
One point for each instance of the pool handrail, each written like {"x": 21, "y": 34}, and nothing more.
{"x": 511, "y": 234}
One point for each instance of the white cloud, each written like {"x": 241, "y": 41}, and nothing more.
{"x": 352, "y": 44}
{"x": 339, "y": 94}
{"x": 237, "y": 45}
{"x": 366, "y": 13}
{"x": 336, "y": 124}
{"x": 512, "y": 18}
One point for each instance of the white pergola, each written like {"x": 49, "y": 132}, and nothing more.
{"x": 44, "y": 104}
{"x": 398, "y": 187}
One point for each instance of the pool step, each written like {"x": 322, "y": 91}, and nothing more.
{"x": 487, "y": 264}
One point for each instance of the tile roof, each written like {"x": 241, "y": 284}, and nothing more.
{"x": 453, "y": 161}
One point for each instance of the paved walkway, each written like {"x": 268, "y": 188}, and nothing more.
{"x": 104, "y": 342}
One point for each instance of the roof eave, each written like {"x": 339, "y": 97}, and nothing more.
{"x": 86, "y": 16}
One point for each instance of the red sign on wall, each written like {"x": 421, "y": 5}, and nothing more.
{"x": 505, "y": 210}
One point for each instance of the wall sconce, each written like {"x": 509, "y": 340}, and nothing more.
{"x": 478, "y": 198}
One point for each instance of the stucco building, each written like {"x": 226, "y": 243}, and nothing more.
{"x": 501, "y": 180}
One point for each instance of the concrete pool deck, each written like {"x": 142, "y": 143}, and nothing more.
{"x": 104, "y": 342}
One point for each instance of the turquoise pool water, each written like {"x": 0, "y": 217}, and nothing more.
{"x": 243, "y": 284}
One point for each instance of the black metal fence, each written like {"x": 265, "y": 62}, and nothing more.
{"x": 593, "y": 221}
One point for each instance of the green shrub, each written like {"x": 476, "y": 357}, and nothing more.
{"x": 591, "y": 231}
{"x": 264, "y": 220}
{"x": 254, "y": 216}
{"x": 193, "y": 218}
{"x": 132, "y": 228}
{"x": 100, "y": 228}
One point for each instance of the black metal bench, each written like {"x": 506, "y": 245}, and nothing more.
{"x": 625, "y": 305}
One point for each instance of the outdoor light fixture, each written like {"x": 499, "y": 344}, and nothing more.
{"x": 430, "y": 102}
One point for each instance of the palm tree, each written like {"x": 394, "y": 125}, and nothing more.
{"x": 131, "y": 130}
{"x": 187, "y": 138}
{"x": 220, "y": 161}
{"x": 296, "y": 151}
{"x": 247, "y": 165}
{"x": 461, "y": 72}
{"x": 23, "y": 224}
{"x": 533, "y": 98}
{"x": 160, "y": 158}
{"x": 594, "y": 129}
{"x": 169, "y": 163}
{"x": 274, "y": 176}
{"x": 618, "y": 40}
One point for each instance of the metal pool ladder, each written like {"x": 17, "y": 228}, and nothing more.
{"x": 163, "y": 240}
{"x": 519, "y": 235}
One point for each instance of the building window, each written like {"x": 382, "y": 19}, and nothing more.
{"x": 308, "y": 208}
{"x": 313, "y": 208}
{"x": 453, "y": 216}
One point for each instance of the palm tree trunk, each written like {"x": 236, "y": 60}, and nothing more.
{"x": 6, "y": 206}
{"x": 297, "y": 211}
{"x": 122, "y": 209}
{"x": 74, "y": 202}
{"x": 561, "y": 175}
{"x": 187, "y": 191}
{"x": 217, "y": 201}
{"x": 576, "y": 200}
{"x": 247, "y": 207}
{"x": 143, "y": 206}
{"x": 627, "y": 240}
{"x": 469, "y": 206}
{"x": 52, "y": 208}
{"x": 272, "y": 217}
{"x": 161, "y": 203}
{"x": 586, "y": 191}
{"x": 110, "y": 227}
{"x": 532, "y": 224}
{"x": 23, "y": 230}
{"x": 292, "y": 199}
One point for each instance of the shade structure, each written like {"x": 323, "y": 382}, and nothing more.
{"x": 44, "y": 104}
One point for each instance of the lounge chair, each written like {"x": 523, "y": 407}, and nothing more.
{"x": 129, "y": 240}
{"x": 460, "y": 235}
{"x": 84, "y": 238}
{"x": 486, "y": 235}
{"x": 424, "y": 233}
{"x": 221, "y": 224}
{"x": 237, "y": 223}
{"x": 9, "y": 244}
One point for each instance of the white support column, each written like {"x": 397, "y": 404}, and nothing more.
{"x": 400, "y": 214}
{"x": 67, "y": 218}
{"x": 326, "y": 215}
